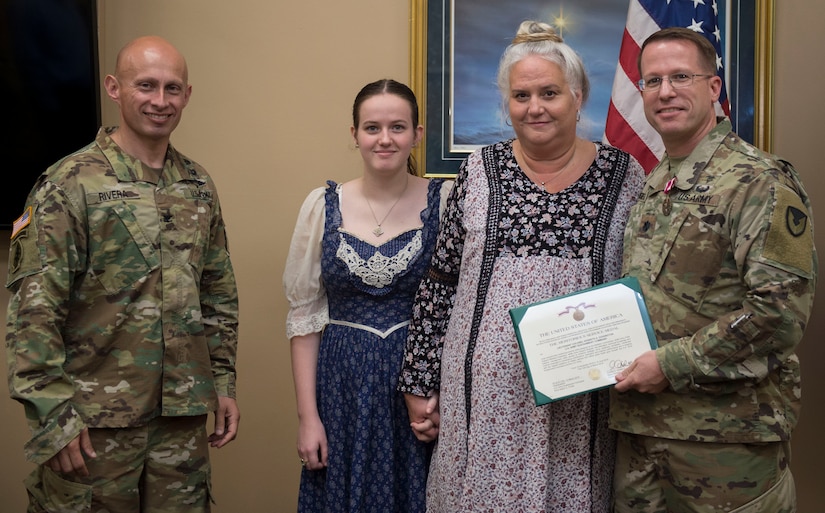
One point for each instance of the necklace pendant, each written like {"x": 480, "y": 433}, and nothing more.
{"x": 378, "y": 231}
{"x": 667, "y": 206}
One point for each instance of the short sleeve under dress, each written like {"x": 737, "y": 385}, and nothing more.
{"x": 375, "y": 462}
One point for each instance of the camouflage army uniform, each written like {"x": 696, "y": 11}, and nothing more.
{"x": 728, "y": 272}
{"x": 124, "y": 305}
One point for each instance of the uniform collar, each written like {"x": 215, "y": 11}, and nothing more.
{"x": 176, "y": 168}
{"x": 691, "y": 167}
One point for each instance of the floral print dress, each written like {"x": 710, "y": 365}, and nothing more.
{"x": 506, "y": 243}
{"x": 361, "y": 297}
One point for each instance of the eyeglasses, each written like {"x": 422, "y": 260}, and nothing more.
{"x": 677, "y": 80}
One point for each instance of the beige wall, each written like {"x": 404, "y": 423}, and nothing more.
{"x": 273, "y": 84}
{"x": 798, "y": 113}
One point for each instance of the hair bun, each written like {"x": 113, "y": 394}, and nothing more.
{"x": 536, "y": 31}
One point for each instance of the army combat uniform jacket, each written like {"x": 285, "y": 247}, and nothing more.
{"x": 124, "y": 305}
{"x": 727, "y": 265}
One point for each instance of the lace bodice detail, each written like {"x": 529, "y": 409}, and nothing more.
{"x": 379, "y": 270}
{"x": 332, "y": 274}
{"x": 375, "y": 285}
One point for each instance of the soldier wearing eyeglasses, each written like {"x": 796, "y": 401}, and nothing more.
{"x": 722, "y": 243}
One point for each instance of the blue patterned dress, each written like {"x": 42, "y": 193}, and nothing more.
{"x": 375, "y": 462}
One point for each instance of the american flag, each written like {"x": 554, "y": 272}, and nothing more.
{"x": 21, "y": 222}
{"x": 626, "y": 126}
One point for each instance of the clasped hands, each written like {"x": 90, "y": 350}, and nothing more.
{"x": 425, "y": 418}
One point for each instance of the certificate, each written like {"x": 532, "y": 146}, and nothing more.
{"x": 577, "y": 343}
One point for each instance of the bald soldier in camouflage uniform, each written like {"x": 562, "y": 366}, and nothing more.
{"x": 722, "y": 243}
{"x": 122, "y": 324}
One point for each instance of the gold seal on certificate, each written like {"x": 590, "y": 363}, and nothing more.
{"x": 577, "y": 343}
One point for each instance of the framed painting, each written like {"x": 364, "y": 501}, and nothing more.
{"x": 455, "y": 46}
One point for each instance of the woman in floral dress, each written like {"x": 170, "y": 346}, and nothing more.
{"x": 531, "y": 218}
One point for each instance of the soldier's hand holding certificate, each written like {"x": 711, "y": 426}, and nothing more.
{"x": 577, "y": 343}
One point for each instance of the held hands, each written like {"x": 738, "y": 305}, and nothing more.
{"x": 425, "y": 418}
{"x": 643, "y": 375}
{"x": 70, "y": 458}
{"x": 226, "y": 422}
{"x": 312, "y": 443}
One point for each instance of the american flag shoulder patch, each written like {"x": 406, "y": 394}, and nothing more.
{"x": 21, "y": 222}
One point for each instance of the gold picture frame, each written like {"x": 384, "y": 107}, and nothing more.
{"x": 761, "y": 40}
{"x": 763, "y": 74}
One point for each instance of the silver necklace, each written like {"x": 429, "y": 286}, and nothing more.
{"x": 556, "y": 174}
{"x": 378, "y": 231}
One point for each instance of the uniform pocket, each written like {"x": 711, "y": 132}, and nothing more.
{"x": 691, "y": 259}
{"x": 198, "y": 229}
{"x": 187, "y": 209}
{"x": 120, "y": 249}
{"x": 50, "y": 492}
{"x": 781, "y": 498}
